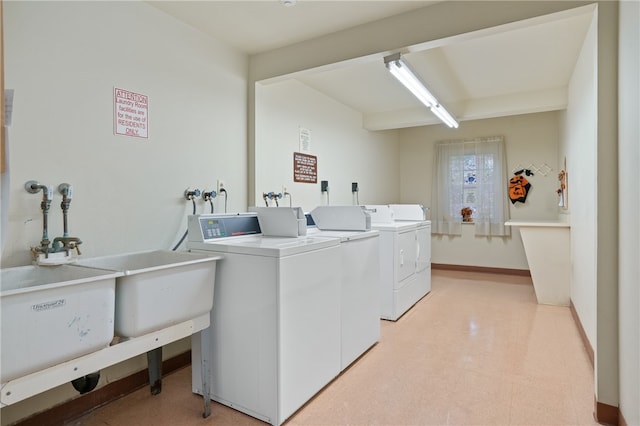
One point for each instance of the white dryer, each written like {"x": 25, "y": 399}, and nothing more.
{"x": 423, "y": 258}
{"x": 275, "y": 324}
{"x": 360, "y": 275}
{"x": 400, "y": 284}
{"x": 416, "y": 213}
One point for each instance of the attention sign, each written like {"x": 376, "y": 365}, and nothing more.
{"x": 131, "y": 113}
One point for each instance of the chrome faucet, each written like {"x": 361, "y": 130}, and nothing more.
{"x": 64, "y": 243}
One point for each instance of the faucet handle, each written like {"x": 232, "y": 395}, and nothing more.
{"x": 66, "y": 190}
{"x": 68, "y": 243}
{"x": 72, "y": 242}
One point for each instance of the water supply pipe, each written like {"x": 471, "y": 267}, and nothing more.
{"x": 189, "y": 195}
{"x": 65, "y": 242}
{"x": 34, "y": 187}
{"x": 67, "y": 193}
{"x": 208, "y": 196}
{"x": 275, "y": 196}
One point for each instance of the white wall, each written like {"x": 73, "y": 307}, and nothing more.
{"x": 530, "y": 139}
{"x": 579, "y": 146}
{"x": 589, "y": 142}
{"x": 63, "y": 60}
{"x": 127, "y": 191}
{"x": 607, "y": 352}
{"x": 629, "y": 155}
{"x": 345, "y": 152}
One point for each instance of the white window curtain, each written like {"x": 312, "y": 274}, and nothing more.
{"x": 485, "y": 186}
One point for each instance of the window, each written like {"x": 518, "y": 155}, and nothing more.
{"x": 470, "y": 174}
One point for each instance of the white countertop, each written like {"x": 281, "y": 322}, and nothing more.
{"x": 538, "y": 223}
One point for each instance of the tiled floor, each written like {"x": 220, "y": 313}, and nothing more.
{"x": 477, "y": 350}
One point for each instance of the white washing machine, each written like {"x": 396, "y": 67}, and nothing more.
{"x": 275, "y": 323}
{"x": 401, "y": 285}
{"x": 360, "y": 276}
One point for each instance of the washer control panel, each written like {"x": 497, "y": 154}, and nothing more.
{"x": 210, "y": 227}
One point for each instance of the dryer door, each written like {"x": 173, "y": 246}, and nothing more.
{"x": 406, "y": 255}
{"x": 423, "y": 242}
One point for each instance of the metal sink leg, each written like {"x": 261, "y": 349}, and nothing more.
{"x": 205, "y": 356}
{"x": 154, "y": 362}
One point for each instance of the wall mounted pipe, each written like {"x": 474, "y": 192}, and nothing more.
{"x": 34, "y": 187}
{"x": 67, "y": 193}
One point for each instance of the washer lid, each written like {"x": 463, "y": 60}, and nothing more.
{"x": 266, "y": 246}
{"x": 394, "y": 226}
{"x": 341, "y": 218}
{"x": 415, "y": 212}
{"x": 418, "y": 223}
{"x": 343, "y": 235}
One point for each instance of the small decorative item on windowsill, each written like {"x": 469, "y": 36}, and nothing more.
{"x": 466, "y": 214}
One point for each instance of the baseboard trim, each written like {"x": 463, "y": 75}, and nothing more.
{"x": 621, "y": 420}
{"x": 583, "y": 334}
{"x": 482, "y": 269}
{"x": 604, "y": 413}
{"x": 607, "y": 414}
{"x": 84, "y": 404}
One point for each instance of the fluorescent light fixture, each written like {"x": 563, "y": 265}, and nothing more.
{"x": 400, "y": 70}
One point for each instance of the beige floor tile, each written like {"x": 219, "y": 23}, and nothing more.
{"x": 538, "y": 402}
{"x": 478, "y": 350}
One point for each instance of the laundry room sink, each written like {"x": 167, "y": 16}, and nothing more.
{"x": 52, "y": 314}
{"x": 158, "y": 288}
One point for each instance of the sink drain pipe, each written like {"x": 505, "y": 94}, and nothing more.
{"x": 86, "y": 383}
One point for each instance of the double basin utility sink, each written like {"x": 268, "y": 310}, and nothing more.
{"x": 52, "y": 314}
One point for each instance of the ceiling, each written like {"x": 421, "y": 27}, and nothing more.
{"x": 514, "y": 69}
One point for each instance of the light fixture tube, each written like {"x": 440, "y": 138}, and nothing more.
{"x": 411, "y": 82}
{"x": 400, "y": 70}
{"x": 444, "y": 115}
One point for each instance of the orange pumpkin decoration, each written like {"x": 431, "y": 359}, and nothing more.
{"x": 518, "y": 188}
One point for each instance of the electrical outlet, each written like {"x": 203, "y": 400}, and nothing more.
{"x": 220, "y": 185}
{"x": 324, "y": 185}
{"x": 284, "y": 189}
